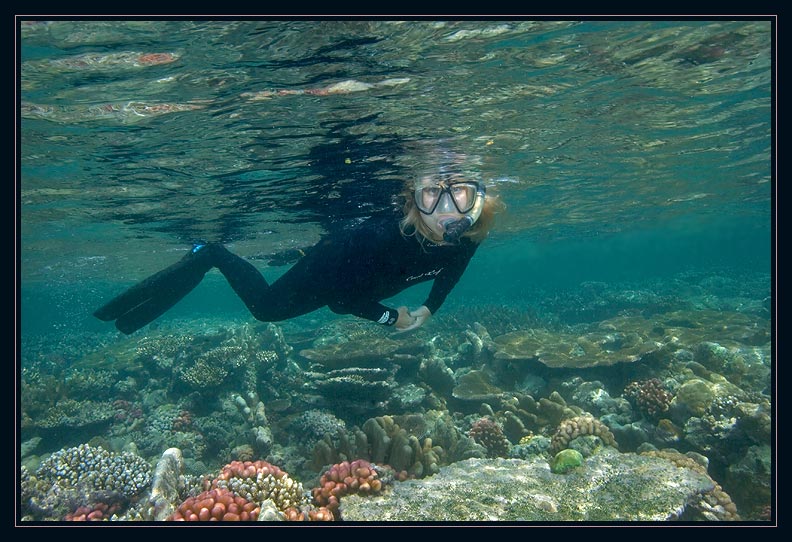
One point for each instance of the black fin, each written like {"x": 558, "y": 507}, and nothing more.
{"x": 150, "y": 298}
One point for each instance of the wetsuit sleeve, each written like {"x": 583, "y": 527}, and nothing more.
{"x": 446, "y": 281}
{"x": 374, "y": 311}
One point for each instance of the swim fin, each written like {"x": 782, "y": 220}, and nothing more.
{"x": 150, "y": 298}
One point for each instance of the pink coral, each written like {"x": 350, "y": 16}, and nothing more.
{"x": 249, "y": 469}
{"x": 221, "y": 503}
{"x": 94, "y": 512}
{"x": 345, "y": 478}
{"x": 217, "y": 504}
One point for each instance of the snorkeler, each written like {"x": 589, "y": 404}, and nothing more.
{"x": 445, "y": 219}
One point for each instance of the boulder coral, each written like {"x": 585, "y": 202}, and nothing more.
{"x": 566, "y": 460}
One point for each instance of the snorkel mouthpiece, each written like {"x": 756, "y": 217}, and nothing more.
{"x": 455, "y": 229}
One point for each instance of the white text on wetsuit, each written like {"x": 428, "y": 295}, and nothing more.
{"x": 432, "y": 273}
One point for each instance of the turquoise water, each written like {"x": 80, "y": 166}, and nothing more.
{"x": 635, "y": 155}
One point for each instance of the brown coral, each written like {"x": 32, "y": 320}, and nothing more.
{"x": 649, "y": 396}
{"x": 490, "y": 435}
{"x": 581, "y": 425}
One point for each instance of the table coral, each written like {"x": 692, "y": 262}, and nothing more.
{"x": 618, "y": 340}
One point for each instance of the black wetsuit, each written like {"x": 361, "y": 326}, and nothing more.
{"x": 350, "y": 273}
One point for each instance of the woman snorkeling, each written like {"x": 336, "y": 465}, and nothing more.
{"x": 446, "y": 217}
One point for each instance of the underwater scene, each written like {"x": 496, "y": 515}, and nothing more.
{"x": 375, "y": 270}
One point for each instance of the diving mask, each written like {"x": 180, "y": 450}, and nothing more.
{"x": 463, "y": 195}
{"x": 467, "y": 198}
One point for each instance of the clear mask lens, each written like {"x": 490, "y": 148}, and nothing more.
{"x": 458, "y": 197}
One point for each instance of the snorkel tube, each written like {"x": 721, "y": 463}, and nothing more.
{"x": 455, "y": 229}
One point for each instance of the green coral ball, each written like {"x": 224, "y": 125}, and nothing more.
{"x": 566, "y": 460}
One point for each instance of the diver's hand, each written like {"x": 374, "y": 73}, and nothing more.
{"x": 419, "y": 316}
{"x": 405, "y": 319}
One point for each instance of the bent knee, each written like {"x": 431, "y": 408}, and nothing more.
{"x": 267, "y": 314}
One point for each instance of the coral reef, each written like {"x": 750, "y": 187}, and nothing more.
{"x": 84, "y": 481}
{"x": 97, "y": 469}
{"x": 257, "y": 481}
{"x": 345, "y": 478}
{"x": 573, "y": 428}
{"x": 94, "y": 512}
{"x": 612, "y": 487}
{"x": 490, "y": 435}
{"x": 618, "y": 340}
{"x": 715, "y": 504}
{"x": 410, "y": 409}
{"x": 384, "y": 442}
{"x": 218, "y": 504}
{"x": 649, "y": 396}
{"x": 566, "y": 460}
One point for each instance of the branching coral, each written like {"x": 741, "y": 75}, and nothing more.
{"x": 649, "y": 396}
{"x": 490, "y": 435}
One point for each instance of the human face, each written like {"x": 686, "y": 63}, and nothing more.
{"x": 443, "y": 202}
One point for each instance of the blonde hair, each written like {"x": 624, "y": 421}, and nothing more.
{"x": 413, "y": 224}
